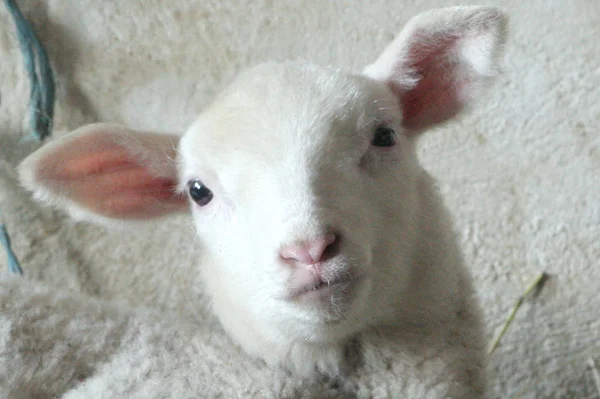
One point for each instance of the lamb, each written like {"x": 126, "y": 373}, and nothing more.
{"x": 321, "y": 232}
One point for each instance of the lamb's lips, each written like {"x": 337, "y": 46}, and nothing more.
{"x": 307, "y": 282}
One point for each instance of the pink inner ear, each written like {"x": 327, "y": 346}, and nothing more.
{"x": 434, "y": 99}
{"x": 106, "y": 179}
{"x": 438, "y": 94}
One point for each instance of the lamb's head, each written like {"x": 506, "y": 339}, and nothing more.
{"x": 299, "y": 176}
{"x": 302, "y": 181}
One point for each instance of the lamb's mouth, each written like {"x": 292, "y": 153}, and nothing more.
{"x": 320, "y": 285}
{"x": 325, "y": 288}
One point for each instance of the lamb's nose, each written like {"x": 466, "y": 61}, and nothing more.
{"x": 311, "y": 251}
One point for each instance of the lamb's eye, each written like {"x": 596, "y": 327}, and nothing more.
{"x": 199, "y": 193}
{"x": 384, "y": 137}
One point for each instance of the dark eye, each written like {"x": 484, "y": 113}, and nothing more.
{"x": 199, "y": 192}
{"x": 384, "y": 137}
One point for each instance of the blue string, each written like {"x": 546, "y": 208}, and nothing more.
{"x": 41, "y": 107}
{"x": 13, "y": 263}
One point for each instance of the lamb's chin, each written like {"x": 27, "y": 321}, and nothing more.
{"x": 334, "y": 330}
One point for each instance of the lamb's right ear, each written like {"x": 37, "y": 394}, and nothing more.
{"x": 105, "y": 172}
{"x": 440, "y": 62}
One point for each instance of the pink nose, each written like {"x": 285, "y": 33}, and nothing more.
{"x": 308, "y": 252}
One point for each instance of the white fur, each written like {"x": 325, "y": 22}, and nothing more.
{"x": 286, "y": 151}
{"x": 287, "y": 156}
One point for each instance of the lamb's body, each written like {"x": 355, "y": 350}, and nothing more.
{"x": 86, "y": 348}
{"x": 325, "y": 243}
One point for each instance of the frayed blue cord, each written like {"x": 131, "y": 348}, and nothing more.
{"x": 40, "y": 75}
{"x": 41, "y": 106}
{"x": 13, "y": 263}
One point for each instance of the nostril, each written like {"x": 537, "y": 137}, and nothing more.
{"x": 320, "y": 247}
{"x": 332, "y": 249}
{"x": 312, "y": 251}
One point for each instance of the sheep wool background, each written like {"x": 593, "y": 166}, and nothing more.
{"x": 520, "y": 172}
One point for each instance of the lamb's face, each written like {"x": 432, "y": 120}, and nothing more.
{"x": 300, "y": 178}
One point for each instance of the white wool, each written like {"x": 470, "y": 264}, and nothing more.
{"x": 88, "y": 348}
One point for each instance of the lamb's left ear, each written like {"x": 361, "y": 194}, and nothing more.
{"x": 441, "y": 59}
